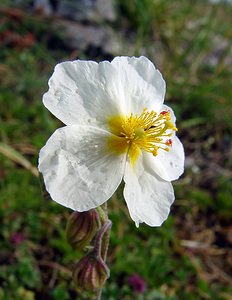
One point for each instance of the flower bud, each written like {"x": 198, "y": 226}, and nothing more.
{"x": 82, "y": 227}
{"x": 90, "y": 273}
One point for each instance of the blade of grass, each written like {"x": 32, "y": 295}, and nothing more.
{"x": 18, "y": 158}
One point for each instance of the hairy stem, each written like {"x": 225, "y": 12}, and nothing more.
{"x": 102, "y": 241}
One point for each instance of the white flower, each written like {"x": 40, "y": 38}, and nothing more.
{"x": 117, "y": 128}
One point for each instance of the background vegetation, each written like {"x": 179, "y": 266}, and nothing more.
{"x": 189, "y": 257}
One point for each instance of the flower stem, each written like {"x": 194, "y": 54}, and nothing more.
{"x": 105, "y": 208}
{"x": 102, "y": 241}
{"x": 98, "y": 295}
{"x": 103, "y": 216}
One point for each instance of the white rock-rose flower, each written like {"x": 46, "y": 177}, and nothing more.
{"x": 117, "y": 128}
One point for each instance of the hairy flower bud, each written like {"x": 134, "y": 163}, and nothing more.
{"x": 82, "y": 227}
{"x": 90, "y": 273}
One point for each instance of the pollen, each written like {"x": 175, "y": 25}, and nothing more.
{"x": 149, "y": 131}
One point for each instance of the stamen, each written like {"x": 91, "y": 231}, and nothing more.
{"x": 148, "y": 132}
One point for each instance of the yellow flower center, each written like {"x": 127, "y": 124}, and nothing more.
{"x": 149, "y": 132}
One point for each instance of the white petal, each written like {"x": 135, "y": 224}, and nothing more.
{"x": 147, "y": 196}
{"x": 150, "y": 74}
{"x": 168, "y": 165}
{"x": 78, "y": 170}
{"x": 145, "y": 86}
{"x": 84, "y": 92}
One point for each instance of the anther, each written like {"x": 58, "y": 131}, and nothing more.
{"x": 169, "y": 142}
{"x": 164, "y": 112}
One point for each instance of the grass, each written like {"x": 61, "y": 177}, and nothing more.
{"x": 189, "y": 256}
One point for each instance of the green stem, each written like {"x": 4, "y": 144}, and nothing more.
{"x": 103, "y": 216}
{"x": 98, "y": 295}
{"x": 102, "y": 239}
{"x": 101, "y": 242}
{"x": 105, "y": 208}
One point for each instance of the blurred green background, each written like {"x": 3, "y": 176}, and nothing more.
{"x": 190, "y": 256}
